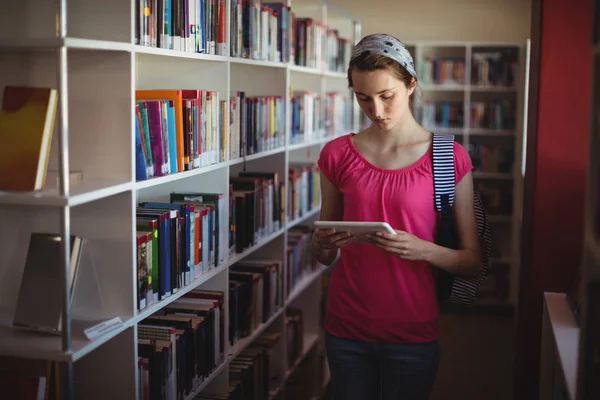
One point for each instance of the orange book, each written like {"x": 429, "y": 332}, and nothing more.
{"x": 26, "y": 128}
{"x": 176, "y": 96}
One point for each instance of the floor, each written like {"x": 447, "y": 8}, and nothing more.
{"x": 477, "y": 358}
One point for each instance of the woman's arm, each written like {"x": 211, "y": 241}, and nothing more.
{"x": 466, "y": 261}
{"x": 325, "y": 243}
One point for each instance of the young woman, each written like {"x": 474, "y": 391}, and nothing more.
{"x": 382, "y": 310}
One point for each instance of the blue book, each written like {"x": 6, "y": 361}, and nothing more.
{"x": 172, "y": 135}
{"x": 201, "y": 29}
{"x": 141, "y": 168}
{"x": 168, "y": 23}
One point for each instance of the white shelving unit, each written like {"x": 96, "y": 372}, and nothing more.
{"x": 506, "y": 225}
{"x": 86, "y": 50}
{"x": 559, "y": 349}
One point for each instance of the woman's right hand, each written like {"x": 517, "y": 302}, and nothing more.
{"x": 329, "y": 239}
{"x": 326, "y": 242}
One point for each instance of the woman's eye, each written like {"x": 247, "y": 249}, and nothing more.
{"x": 362, "y": 99}
{"x": 388, "y": 97}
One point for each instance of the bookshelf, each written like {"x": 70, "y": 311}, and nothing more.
{"x": 98, "y": 72}
{"x": 583, "y": 299}
{"x": 475, "y": 90}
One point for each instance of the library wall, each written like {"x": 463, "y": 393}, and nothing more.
{"x": 467, "y": 20}
{"x": 558, "y": 153}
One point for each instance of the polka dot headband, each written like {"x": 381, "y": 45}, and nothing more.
{"x": 388, "y": 46}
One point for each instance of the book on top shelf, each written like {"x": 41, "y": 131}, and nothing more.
{"x": 262, "y": 31}
{"x": 195, "y": 26}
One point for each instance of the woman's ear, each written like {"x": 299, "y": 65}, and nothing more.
{"x": 412, "y": 87}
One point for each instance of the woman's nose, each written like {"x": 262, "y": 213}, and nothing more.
{"x": 377, "y": 108}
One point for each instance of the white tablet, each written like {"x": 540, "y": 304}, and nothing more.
{"x": 358, "y": 228}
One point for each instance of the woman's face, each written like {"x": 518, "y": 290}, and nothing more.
{"x": 383, "y": 97}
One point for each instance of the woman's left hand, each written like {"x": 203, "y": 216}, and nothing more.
{"x": 402, "y": 244}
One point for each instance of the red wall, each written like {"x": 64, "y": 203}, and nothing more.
{"x": 560, "y": 169}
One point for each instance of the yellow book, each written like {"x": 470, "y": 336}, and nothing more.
{"x": 26, "y": 127}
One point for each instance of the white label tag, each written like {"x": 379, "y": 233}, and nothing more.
{"x": 94, "y": 332}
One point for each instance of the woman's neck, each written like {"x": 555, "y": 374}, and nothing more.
{"x": 406, "y": 131}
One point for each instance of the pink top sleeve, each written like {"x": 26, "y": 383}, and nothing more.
{"x": 329, "y": 159}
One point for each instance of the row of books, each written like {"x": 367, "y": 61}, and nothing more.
{"x": 256, "y": 293}
{"x": 299, "y": 261}
{"x": 260, "y": 31}
{"x": 294, "y": 326}
{"x": 304, "y": 192}
{"x": 257, "y": 124}
{"x": 497, "y": 157}
{"x": 257, "y": 207}
{"x": 494, "y": 68}
{"x": 315, "y": 45}
{"x": 443, "y": 114}
{"x": 178, "y": 130}
{"x": 273, "y": 32}
{"x": 487, "y": 69}
{"x": 442, "y": 71}
{"x": 195, "y": 26}
{"x": 177, "y": 242}
{"x": 315, "y": 116}
{"x": 493, "y": 114}
{"x": 183, "y": 343}
{"x": 182, "y": 239}
{"x": 253, "y": 374}
{"x": 182, "y": 130}
{"x": 180, "y": 346}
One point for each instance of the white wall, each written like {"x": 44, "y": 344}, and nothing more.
{"x": 464, "y": 20}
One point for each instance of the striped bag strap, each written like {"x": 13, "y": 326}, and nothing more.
{"x": 443, "y": 171}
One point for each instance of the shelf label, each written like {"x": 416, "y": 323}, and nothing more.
{"x": 95, "y": 331}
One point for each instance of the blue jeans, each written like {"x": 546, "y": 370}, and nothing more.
{"x": 371, "y": 371}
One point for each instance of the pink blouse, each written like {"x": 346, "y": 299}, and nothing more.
{"x": 374, "y": 296}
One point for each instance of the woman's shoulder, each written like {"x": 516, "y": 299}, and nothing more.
{"x": 337, "y": 148}
{"x": 338, "y": 143}
{"x": 460, "y": 150}
{"x": 334, "y": 157}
